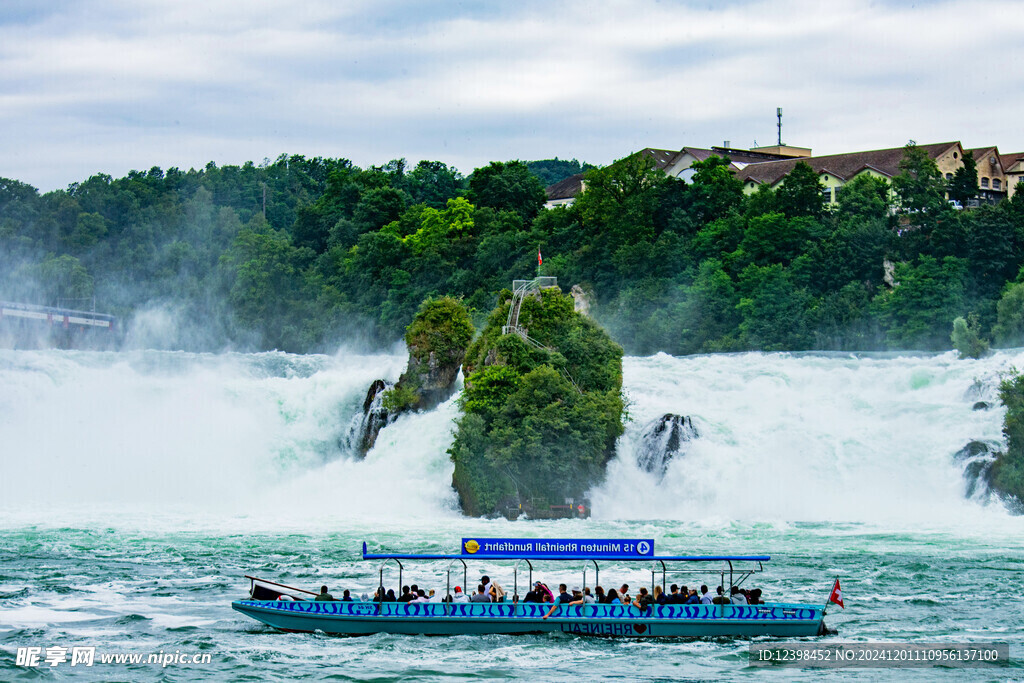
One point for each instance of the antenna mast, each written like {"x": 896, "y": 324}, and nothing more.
{"x": 778, "y": 113}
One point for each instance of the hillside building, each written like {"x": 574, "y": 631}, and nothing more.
{"x": 998, "y": 174}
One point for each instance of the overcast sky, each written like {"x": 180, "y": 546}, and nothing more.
{"x": 114, "y": 85}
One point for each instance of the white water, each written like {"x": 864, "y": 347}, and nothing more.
{"x": 783, "y": 438}
{"x": 809, "y": 437}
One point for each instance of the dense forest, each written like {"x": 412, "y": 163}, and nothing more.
{"x": 301, "y": 254}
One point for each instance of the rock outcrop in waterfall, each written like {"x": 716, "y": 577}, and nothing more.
{"x": 1005, "y": 473}
{"x": 542, "y": 405}
{"x": 662, "y": 440}
{"x": 437, "y": 340}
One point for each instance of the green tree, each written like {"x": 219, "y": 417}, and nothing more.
{"x": 801, "y": 193}
{"x": 866, "y": 196}
{"x": 773, "y": 310}
{"x": 507, "y": 186}
{"x": 929, "y": 295}
{"x": 64, "y": 279}
{"x": 267, "y": 283}
{"x": 919, "y": 185}
{"x": 964, "y": 185}
{"x": 714, "y": 190}
{"x": 551, "y": 171}
{"x": 1009, "y": 330}
{"x": 966, "y": 337}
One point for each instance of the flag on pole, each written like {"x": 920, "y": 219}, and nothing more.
{"x": 540, "y": 261}
{"x": 836, "y": 595}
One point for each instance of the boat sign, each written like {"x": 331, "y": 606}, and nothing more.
{"x": 557, "y": 547}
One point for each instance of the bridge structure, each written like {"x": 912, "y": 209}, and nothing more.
{"x": 33, "y": 325}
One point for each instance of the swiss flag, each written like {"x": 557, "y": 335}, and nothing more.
{"x": 540, "y": 261}
{"x": 836, "y": 595}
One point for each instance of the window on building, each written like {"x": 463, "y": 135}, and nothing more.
{"x": 826, "y": 194}
{"x": 984, "y": 182}
{"x": 949, "y": 176}
{"x": 997, "y": 184}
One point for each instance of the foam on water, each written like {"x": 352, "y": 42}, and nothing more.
{"x": 809, "y": 437}
{"x": 208, "y": 439}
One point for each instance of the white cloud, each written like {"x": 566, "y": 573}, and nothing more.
{"x": 107, "y": 87}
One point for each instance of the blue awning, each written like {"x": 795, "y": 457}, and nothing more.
{"x": 561, "y": 558}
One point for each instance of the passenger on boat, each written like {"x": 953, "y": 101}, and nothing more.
{"x": 486, "y": 581}
{"x": 588, "y": 597}
{"x": 406, "y": 595}
{"x": 563, "y": 599}
{"x": 736, "y": 597}
{"x": 693, "y": 598}
{"x": 624, "y": 593}
{"x": 365, "y": 597}
{"x": 346, "y": 596}
{"x": 459, "y": 595}
{"x": 379, "y": 594}
{"x": 613, "y": 597}
{"x": 324, "y": 595}
{"x": 644, "y": 600}
{"x": 480, "y": 595}
{"x": 534, "y": 594}
{"x": 421, "y": 596}
{"x": 659, "y": 596}
{"x": 390, "y": 597}
{"x": 545, "y": 593}
{"x": 600, "y": 596}
{"x": 705, "y": 596}
{"x": 674, "y": 597}
{"x": 720, "y": 599}
{"x": 755, "y": 597}
{"x": 496, "y": 592}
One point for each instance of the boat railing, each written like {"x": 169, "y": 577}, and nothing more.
{"x": 737, "y": 575}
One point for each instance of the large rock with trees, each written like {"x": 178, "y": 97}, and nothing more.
{"x": 437, "y": 339}
{"x": 540, "y": 414}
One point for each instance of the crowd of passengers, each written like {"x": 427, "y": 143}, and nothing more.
{"x": 491, "y": 591}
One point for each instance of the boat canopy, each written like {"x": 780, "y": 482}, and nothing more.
{"x": 529, "y": 552}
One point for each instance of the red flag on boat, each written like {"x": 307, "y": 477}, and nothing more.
{"x": 540, "y": 261}
{"x": 836, "y": 595}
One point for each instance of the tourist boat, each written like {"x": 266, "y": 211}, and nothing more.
{"x": 293, "y": 609}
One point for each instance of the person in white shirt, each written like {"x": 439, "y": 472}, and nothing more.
{"x": 705, "y": 596}
{"x": 485, "y": 581}
{"x": 459, "y": 596}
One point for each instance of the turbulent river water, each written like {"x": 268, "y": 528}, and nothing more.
{"x": 137, "y": 488}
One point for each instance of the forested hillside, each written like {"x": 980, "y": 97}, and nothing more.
{"x": 301, "y": 254}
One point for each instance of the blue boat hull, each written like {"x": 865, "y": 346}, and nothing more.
{"x": 659, "y": 621}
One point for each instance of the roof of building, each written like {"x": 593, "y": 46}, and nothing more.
{"x": 565, "y": 189}
{"x": 842, "y": 166}
{"x": 983, "y": 154}
{"x": 1010, "y": 160}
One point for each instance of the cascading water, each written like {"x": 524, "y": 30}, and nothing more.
{"x": 807, "y": 437}
{"x": 781, "y": 437}
{"x": 187, "y": 432}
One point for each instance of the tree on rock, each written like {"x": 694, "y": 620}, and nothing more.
{"x": 437, "y": 339}
{"x": 540, "y": 415}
